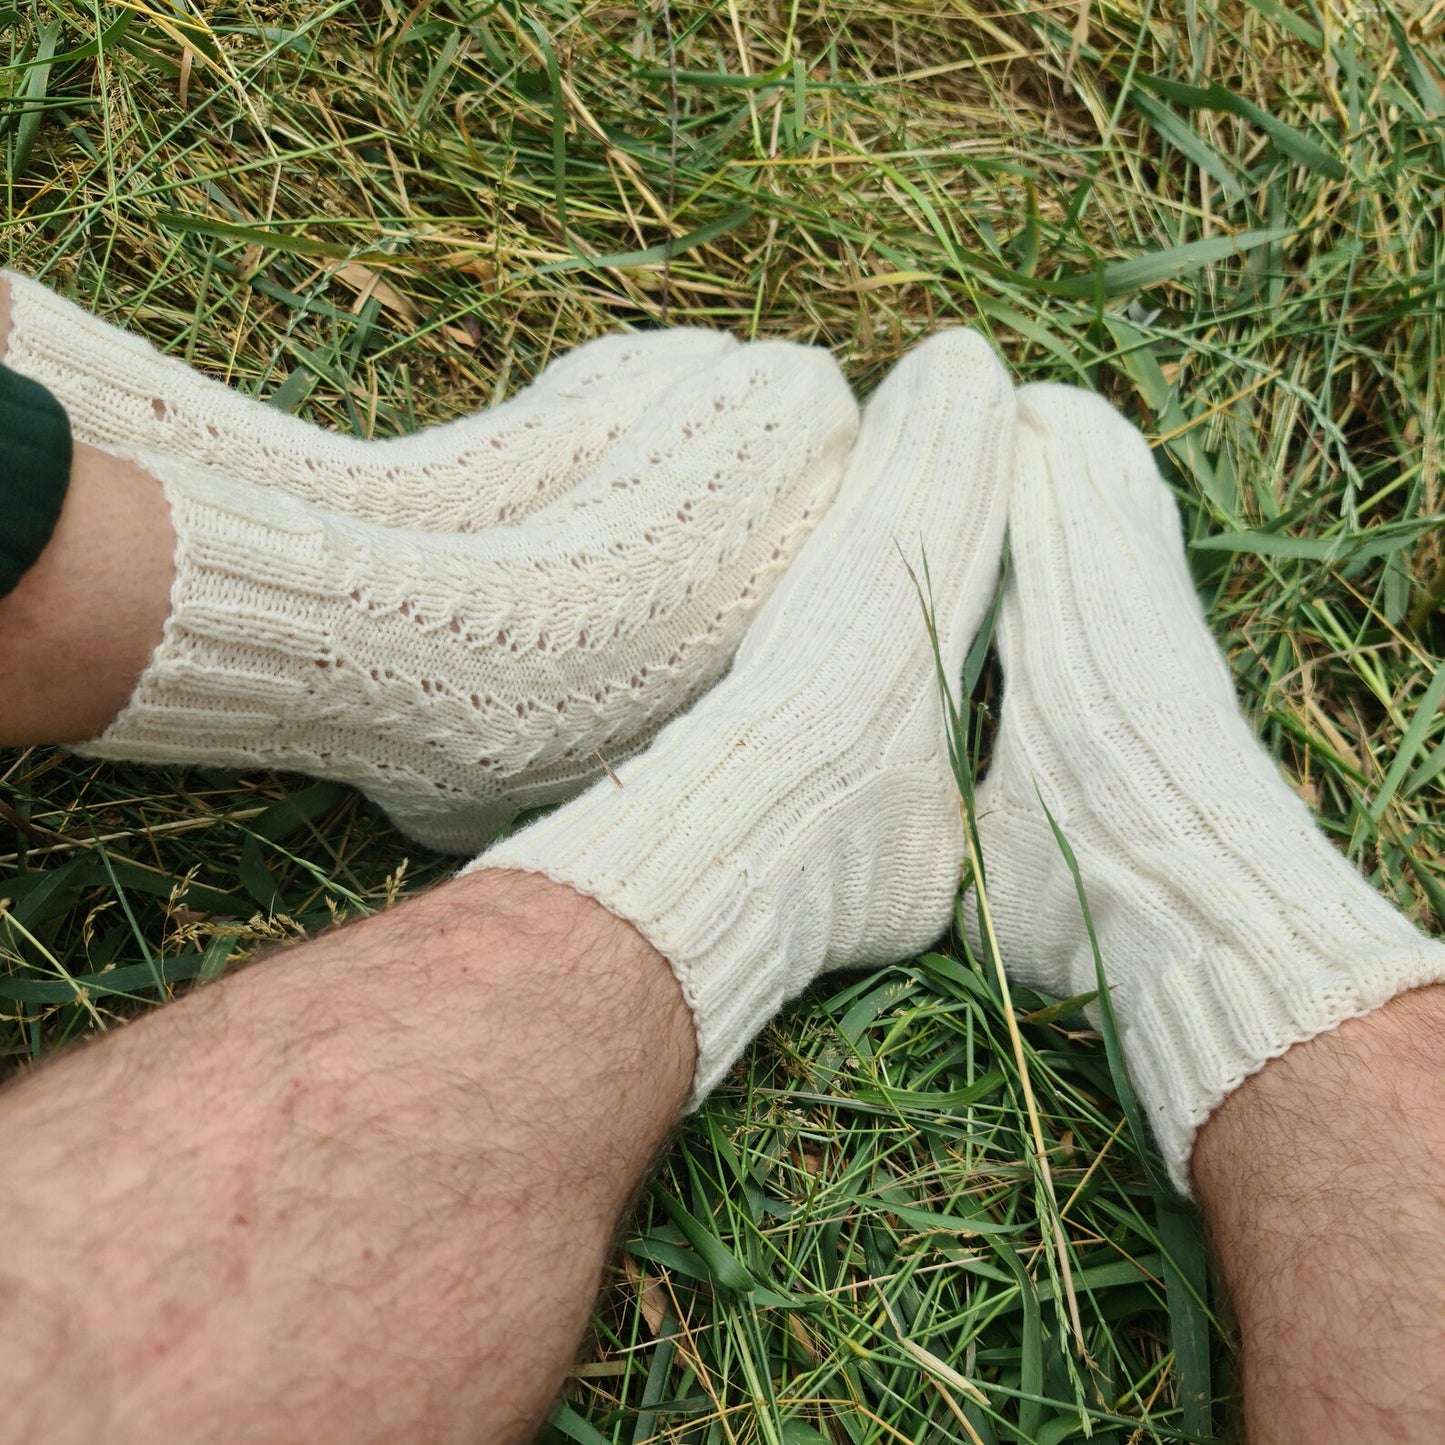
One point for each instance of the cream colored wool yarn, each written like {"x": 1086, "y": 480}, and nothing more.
{"x": 490, "y": 469}
{"x": 1229, "y": 927}
{"x": 457, "y": 679}
{"x": 803, "y": 815}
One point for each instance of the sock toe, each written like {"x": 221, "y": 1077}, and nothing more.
{"x": 1104, "y": 456}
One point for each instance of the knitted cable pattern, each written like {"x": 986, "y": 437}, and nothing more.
{"x": 803, "y": 815}
{"x": 458, "y": 678}
{"x": 494, "y": 468}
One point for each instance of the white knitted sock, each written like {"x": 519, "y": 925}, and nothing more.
{"x": 486, "y": 470}
{"x": 1229, "y": 927}
{"x": 456, "y": 679}
{"x": 803, "y": 816}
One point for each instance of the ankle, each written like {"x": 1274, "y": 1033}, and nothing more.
{"x": 84, "y": 620}
{"x": 1328, "y": 1106}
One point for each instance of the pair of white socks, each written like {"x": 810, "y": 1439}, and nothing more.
{"x": 803, "y": 816}
{"x": 461, "y": 623}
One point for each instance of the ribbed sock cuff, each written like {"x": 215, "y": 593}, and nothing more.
{"x": 1189, "y": 1051}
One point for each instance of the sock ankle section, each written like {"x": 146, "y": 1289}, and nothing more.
{"x": 36, "y": 474}
{"x": 803, "y": 815}
{"x": 491, "y": 469}
{"x": 1230, "y": 928}
{"x": 457, "y": 679}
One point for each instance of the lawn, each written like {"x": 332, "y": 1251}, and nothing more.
{"x": 1227, "y": 218}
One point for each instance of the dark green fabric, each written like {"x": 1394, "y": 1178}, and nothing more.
{"x": 35, "y": 453}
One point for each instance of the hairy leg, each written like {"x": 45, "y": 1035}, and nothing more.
{"x": 1323, "y": 1182}
{"x": 360, "y": 1191}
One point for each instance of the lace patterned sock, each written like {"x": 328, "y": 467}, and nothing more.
{"x": 490, "y": 469}
{"x": 803, "y": 815}
{"x": 456, "y": 678}
{"x": 1230, "y": 928}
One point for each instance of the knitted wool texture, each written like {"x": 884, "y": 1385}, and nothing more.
{"x": 491, "y": 469}
{"x": 457, "y": 679}
{"x": 1229, "y": 927}
{"x": 803, "y": 816}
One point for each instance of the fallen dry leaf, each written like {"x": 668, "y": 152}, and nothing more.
{"x": 371, "y": 285}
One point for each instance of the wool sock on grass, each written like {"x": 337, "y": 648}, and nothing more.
{"x": 457, "y": 679}
{"x": 493, "y": 468}
{"x": 34, "y": 473}
{"x": 1230, "y": 928}
{"x": 803, "y": 815}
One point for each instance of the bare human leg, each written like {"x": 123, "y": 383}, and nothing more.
{"x": 365, "y": 1195}
{"x": 361, "y": 1191}
{"x": 1322, "y": 1179}
{"x": 78, "y": 630}
{"x": 1270, "y": 1002}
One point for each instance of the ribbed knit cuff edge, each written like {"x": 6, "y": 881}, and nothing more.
{"x": 499, "y": 861}
{"x": 1176, "y": 1127}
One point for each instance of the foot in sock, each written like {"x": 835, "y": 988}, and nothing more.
{"x": 457, "y": 679}
{"x": 491, "y": 469}
{"x": 1229, "y": 927}
{"x": 803, "y": 815}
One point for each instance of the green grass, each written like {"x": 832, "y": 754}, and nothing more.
{"x": 1225, "y": 217}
